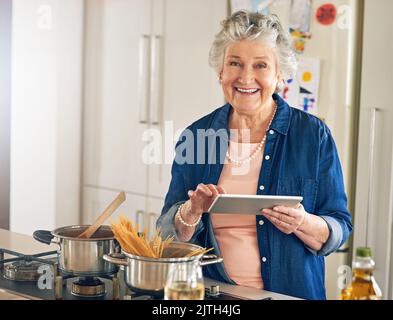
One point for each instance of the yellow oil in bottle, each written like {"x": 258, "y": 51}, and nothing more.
{"x": 363, "y": 286}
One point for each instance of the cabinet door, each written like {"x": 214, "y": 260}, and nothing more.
{"x": 190, "y": 88}
{"x": 95, "y": 201}
{"x": 116, "y": 93}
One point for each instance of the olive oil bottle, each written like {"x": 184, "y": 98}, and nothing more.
{"x": 363, "y": 286}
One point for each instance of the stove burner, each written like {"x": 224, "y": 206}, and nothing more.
{"x": 88, "y": 287}
{"x": 23, "y": 267}
{"x": 22, "y": 270}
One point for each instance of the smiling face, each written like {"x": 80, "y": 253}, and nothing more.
{"x": 249, "y": 76}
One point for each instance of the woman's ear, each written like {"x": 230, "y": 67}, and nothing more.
{"x": 279, "y": 78}
{"x": 280, "y": 83}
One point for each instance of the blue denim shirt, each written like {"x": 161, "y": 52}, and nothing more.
{"x": 303, "y": 161}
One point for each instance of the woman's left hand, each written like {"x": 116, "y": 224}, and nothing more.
{"x": 286, "y": 219}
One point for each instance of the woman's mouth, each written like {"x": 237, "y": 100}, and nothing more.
{"x": 247, "y": 91}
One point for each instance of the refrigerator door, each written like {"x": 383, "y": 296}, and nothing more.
{"x": 374, "y": 185}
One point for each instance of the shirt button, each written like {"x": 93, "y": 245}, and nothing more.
{"x": 267, "y": 157}
{"x": 262, "y": 188}
{"x": 261, "y": 223}
{"x": 271, "y": 132}
{"x": 264, "y": 259}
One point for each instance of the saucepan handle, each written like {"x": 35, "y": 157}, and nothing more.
{"x": 44, "y": 236}
{"x": 210, "y": 259}
{"x": 116, "y": 258}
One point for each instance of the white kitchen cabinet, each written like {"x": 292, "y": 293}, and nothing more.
{"x": 116, "y": 89}
{"x": 146, "y": 68}
{"x": 190, "y": 87}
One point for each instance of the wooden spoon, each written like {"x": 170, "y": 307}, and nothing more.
{"x": 103, "y": 216}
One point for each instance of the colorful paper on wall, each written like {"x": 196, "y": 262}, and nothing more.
{"x": 326, "y": 14}
{"x": 300, "y": 15}
{"x": 291, "y": 93}
{"x": 308, "y": 78}
{"x": 302, "y": 92}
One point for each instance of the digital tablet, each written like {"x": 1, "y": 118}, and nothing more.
{"x": 250, "y": 204}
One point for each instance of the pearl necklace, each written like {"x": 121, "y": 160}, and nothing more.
{"x": 258, "y": 148}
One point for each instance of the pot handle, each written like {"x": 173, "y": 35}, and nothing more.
{"x": 210, "y": 259}
{"x": 116, "y": 258}
{"x": 44, "y": 236}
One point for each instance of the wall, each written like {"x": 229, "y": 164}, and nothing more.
{"x": 5, "y": 81}
{"x": 46, "y": 113}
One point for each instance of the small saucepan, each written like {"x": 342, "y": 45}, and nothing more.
{"x": 79, "y": 256}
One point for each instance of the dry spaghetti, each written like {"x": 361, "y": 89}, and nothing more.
{"x": 137, "y": 243}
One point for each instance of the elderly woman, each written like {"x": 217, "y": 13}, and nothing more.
{"x": 268, "y": 148}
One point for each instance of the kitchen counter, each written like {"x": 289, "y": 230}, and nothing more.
{"x": 22, "y": 243}
{"x": 27, "y": 245}
{"x": 246, "y": 292}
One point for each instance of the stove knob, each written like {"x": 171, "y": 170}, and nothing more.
{"x": 214, "y": 290}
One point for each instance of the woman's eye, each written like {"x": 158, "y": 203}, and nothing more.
{"x": 261, "y": 66}
{"x": 234, "y": 63}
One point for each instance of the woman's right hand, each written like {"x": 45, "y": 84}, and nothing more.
{"x": 202, "y": 198}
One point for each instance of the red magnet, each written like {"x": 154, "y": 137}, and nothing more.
{"x": 326, "y": 14}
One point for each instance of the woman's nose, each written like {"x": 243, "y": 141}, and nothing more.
{"x": 247, "y": 75}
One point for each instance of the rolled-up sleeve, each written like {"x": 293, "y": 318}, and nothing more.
{"x": 331, "y": 202}
{"x": 334, "y": 240}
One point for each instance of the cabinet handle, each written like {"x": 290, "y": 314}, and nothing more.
{"x": 155, "y": 79}
{"x": 371, "y": 170}
{"x": 140, "y": 214}
{"x": 143, "y": 79}
{"x": 152, "y": 223}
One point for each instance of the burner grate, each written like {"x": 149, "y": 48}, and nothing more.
{"x": 28, "y": 258}
{"x": 22, "y": 267}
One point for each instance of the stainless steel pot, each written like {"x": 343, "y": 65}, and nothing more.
{"x": 148, "y": 275}
{"x": 82, "y": 257}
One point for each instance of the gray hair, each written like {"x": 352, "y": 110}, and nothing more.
{"x": 245, "y": 25}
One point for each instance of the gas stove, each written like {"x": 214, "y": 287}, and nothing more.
{"x": 38, "y": 277}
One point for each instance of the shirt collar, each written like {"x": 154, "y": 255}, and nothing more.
{"x": 281, "y": 119}
{"x": 280, "y": 122}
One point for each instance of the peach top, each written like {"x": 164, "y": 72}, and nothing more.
{"x": 236, "y": 234}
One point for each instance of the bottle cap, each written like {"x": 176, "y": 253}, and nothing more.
{"x": 363, "y": 252}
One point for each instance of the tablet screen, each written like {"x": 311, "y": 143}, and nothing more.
{"x": 250, "y": 204}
